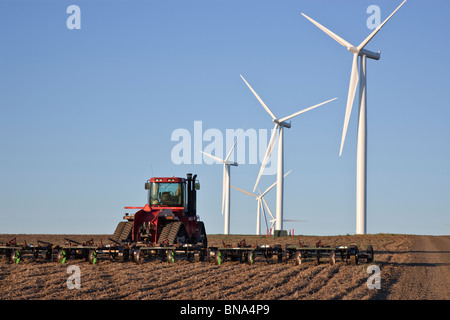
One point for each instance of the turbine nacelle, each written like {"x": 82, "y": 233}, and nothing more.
{"x": 353, "y": 49}
{"x": 363, "y": 52}
{"x": 282, "y": 123}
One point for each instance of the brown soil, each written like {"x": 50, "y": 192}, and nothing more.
{"x": 412, "y": 267}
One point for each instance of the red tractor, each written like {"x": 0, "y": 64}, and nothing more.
{"x": 169, "y": 218}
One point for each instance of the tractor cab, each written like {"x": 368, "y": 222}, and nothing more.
{"x": 167, "y": 192}
{"x": 176, "y": 193}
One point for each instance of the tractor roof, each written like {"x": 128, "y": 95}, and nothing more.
{"x": 167, "y": 180}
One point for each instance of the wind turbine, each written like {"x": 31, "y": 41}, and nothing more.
{"x": 225, "y": 185}
{"x": 361, "y": 153}
{"x": 274, "y": 220}
{"x": 259, "y": 198}
{"x": 280, "y": 124}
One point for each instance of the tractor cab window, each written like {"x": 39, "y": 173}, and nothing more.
{"x": 167, "y": 194}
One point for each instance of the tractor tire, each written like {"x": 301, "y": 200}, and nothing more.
{"x": 126, "y": 233}
{"x": 123, "y": 231}
{"x": 174, "y": 233}
{"x": 175, "y": 228}
{"x": 164, "y": 235}
{"x": 201, "y": 237}
{"x": 178, "y": 234}
{"x": 118, "y": 232}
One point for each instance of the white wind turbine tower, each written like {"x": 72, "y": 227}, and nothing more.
{"x": 225, "y": 186}
{"x": 259, "y": 198}
{"x": 280, "y": 124}
{"x": 361, "y": 153}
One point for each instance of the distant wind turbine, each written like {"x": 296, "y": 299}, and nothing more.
{"x": 274, "y": 220}
{"x": 361, "y": 157}
{"x": 260, "y": 200}
{"x": 225, "y": 185}
{"x": 280, "y": 124}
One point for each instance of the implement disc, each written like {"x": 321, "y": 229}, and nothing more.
{"x": 61, "y": 256}
{"x": 218, "y": 257}
{"x": 15, "y": 256}
{"x": 170, "y": 256}
{"x": 93, "y": 257}
{"x": 298, "y": 258}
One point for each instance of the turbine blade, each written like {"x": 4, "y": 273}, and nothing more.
{"x": 351, "y": 96}
{"x": 243, "y": 191}
{"x": 266, "y": 156}
{"x": 366, "y": 41}
{"x": 268, "y": 209}
{"x": 268, "y": 189}
{"x": 273, "y": 185}
{"x": 231, "y": 150}
{"x": 304, "y": 110}
{"x": 330, "y": 33}
{"x": 213, "y": 157}
{"x": 260, "y": 100}
{"x": 290, "y": 220}
{"x": 264, "y": 212}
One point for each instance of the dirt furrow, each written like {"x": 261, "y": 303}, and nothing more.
{"x": 411, "y": 267}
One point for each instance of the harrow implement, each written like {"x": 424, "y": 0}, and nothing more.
{"x": 296, "y": 254}
{"x": 142, "y": 252}
{"x": 46, "y": 251}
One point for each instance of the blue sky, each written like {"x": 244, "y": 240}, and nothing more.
{"x": 87, "y": 115}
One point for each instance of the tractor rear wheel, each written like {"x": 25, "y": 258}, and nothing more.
{"x": 174, "y": 233}
{"x": 201, "y": 236}
{"x": 123, "y": 231}
{"x": 164, "y": 234}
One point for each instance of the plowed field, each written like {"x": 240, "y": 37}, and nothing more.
{"x": 411, "y": 267}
